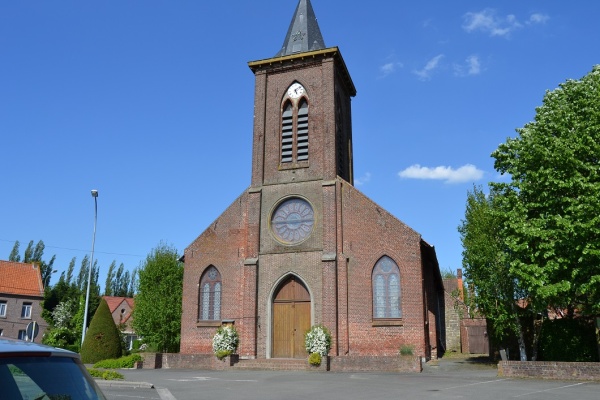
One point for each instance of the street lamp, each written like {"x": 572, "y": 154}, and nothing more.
{"x": 87, "y": 294}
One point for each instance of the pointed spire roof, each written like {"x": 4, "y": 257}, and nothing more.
{"x": 303, "y": 34}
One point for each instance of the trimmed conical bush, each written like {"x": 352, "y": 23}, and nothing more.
{"x": 102, "y": 339}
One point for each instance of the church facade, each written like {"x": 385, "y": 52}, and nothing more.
{"x": 301, "y": 245}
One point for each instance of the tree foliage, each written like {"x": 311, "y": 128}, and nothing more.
{"x": 157, "y": 312}
{"x": 551, "y": 202}
{"x": 486, "y": 265}
{"x": 102, "y": 339}
{"x": 34, "y": 254}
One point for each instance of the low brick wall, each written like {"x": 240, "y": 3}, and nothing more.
{"x": 337, "y": 364}
{"x": 582, "y": 371}
{"x": 366, "y": 363}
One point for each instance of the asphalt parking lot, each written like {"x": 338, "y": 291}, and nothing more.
{"x": 444, "y": 379}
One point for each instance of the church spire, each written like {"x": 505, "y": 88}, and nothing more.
{"x": 303, "y": 34}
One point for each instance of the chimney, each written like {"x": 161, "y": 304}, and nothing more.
{"x": 459, "y": 282}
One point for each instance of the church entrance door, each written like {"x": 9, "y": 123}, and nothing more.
{"x": 291, "y": 318}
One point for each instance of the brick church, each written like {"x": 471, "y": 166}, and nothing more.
{"x": 301, "y": 245}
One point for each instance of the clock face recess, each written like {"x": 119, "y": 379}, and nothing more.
{"x": 295, "y": 91}
{"x": 292, "y": 221}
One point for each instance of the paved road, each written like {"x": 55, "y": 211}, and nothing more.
{"x": 444, "y": 380}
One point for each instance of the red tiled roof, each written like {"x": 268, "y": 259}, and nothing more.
{"x": 114, "y": 302}
{"x": 21, "y": 279}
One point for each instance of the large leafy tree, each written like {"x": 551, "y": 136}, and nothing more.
{"x": 487, "y": 270}
{"x": 157, "y": 312}
{"x": 551, "y": 204}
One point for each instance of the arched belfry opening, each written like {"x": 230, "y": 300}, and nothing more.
{"x": 291, "y": 318}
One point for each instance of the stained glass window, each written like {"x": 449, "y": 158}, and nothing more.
{"x": 209, "y": 298}
{"x": 386, "y": 290}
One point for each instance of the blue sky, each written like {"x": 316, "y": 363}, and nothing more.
{"x": 150, "y": 102}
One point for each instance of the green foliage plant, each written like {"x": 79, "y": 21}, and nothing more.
{"x": 107, "y": 375}
{"x": 122, "y": 362}
{"x": 317, "y": 340}
{"x": 406, "y": 350}
{"x": 314, "y": 359}
{"x": 102, "y": 339}
{"x": 569, "y": 340}
{"x": 157, "y": 312}
{"x": 225, "y": 342}
{"x": 550, "y": 203}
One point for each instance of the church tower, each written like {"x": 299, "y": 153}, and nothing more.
{"x": 302, "y": 109}
{"x": 301, "y": 245}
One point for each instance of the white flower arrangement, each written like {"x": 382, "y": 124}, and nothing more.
{"x": 225, "y": 341}
{"x": 318, "y": 340}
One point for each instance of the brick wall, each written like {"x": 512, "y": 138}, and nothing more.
{"x": 550, "y": 370}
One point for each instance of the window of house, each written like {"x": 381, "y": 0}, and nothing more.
{"x": 22, "y": 335}
{"x": 26, "y": 310}
{"x": 294, "y": 125}
{"x": 210, "y": 295}
{"x": 386, "y": 290}
{"x": 2, "y": 309}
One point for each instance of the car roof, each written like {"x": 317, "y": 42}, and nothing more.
{"x": 10, "y": 347}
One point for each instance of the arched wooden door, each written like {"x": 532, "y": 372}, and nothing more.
{"x": 291, "y": 319}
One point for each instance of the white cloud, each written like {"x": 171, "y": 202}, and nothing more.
{"x": 466, "y": 173}
{"x": 431, "y": 66}
{"x": 487, "y": 21}
{"x": 472, "y": 66}
{"x": 538, "y": 19}
{"x": 362, "y": 180}
{"x": 389, "y": 68}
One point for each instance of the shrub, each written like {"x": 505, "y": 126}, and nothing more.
{"x": 406, "y": 350}
{"x": 568, "y": 340}
{"x": 102, "y": 339}
{"x": 225, "y": 341}
{"x": 107, "y": 375}
{"x": 314, "y": 359}
{"x": 317, "y": 340}
{"x": 123, "y": 362}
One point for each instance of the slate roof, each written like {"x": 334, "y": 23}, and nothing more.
{"x": 21, "y": 279}
{"x": 303, "y": 34}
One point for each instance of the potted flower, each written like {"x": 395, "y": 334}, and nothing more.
{"x": 317, "y": 341}
{"x": 225, "y": 341}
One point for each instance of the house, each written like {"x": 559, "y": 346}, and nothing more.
{"x": 121, "y": 309}
{"x": 301, "y": 245}
{"x": 466, "y": 329}
{"x": 21, "y": 295}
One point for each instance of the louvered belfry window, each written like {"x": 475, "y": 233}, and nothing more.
{"x": 287, "y": 134}
{"x": 294, "y": 130}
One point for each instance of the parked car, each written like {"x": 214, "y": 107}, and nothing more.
{"x": 31, "y": 371}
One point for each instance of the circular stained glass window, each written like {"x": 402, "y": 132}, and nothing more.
{"x": 292, "y": 221}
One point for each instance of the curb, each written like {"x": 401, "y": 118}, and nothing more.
{"x": 123, "y": 384}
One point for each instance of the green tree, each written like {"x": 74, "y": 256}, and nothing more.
{"x": 486, "y": 266}
{"x": 157, "y": 312}
{"x": 552, "y": 228}
{"x": 14, "y": 253}
{"x": 102, "y": 339}
{"x": 34, "y": 254}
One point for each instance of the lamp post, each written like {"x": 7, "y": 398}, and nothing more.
{"x": 87, "y": 294}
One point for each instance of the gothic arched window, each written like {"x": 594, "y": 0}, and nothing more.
{"x": 209, "y": 295}
{"x": 386, "y": 290}
{"x": 294, "y": 125}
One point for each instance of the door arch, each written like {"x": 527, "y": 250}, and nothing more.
{"x": 291, "y": 318}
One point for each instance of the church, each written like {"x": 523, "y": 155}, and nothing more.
{"x": 301, "y": 245}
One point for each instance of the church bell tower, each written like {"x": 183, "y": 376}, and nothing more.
{"x": 302, "y": 109}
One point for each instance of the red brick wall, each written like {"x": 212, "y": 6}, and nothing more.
{"x": 578, "y": 371}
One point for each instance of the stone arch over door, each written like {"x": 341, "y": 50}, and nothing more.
{"x": 291, "y": 312}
